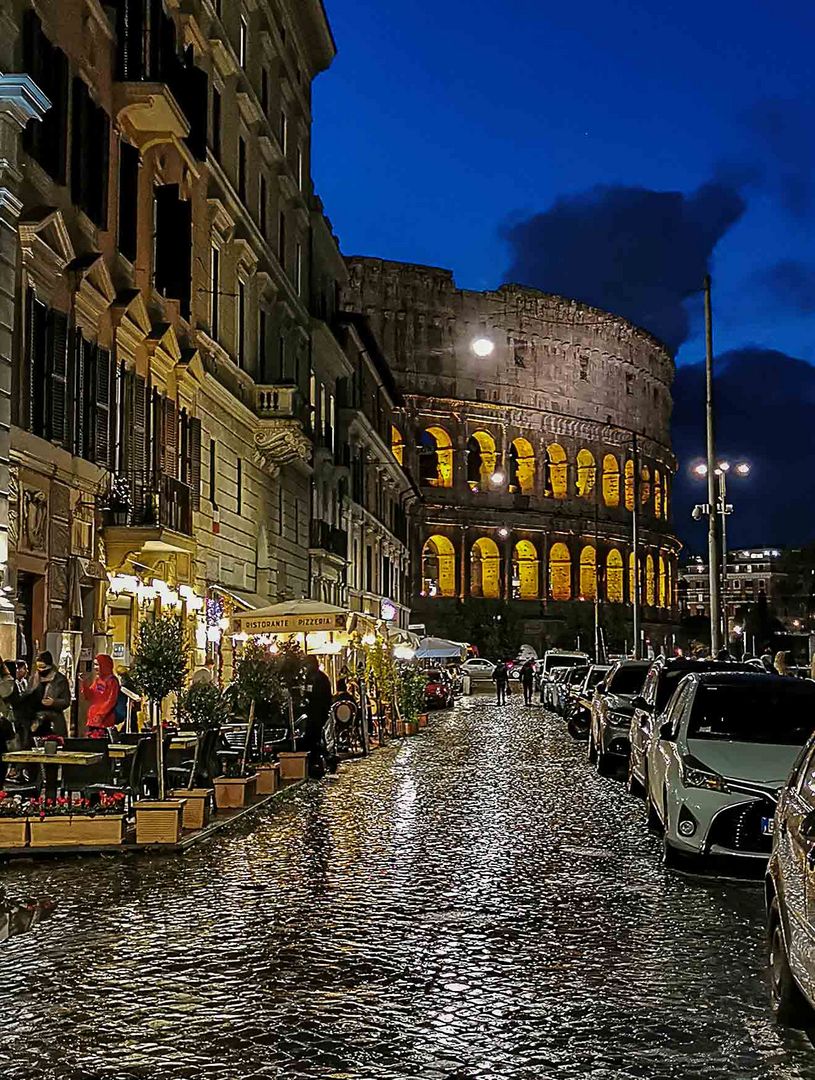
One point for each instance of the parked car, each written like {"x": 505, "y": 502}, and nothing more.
{"x": 577, "y": 713}
{"x": 790, "y": 897}
{"x": 611, "y": 711}
{"x": 478, "y": 668}
{"x": 719, "y": 759}
{"x": 554, "y": 659}
{"x": 566, "y": 685}
{"x": 438, "y": 691}
{"x": 659, "y": 685}
{"x": 550, "y": 688}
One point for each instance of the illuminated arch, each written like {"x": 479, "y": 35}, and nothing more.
{"x": 650, "y": 582}
{"x": 632, "y": 578}
{"x": 611, "y": 480}
{"x": 485, "y": 569}
{"x": 397, "y": 444}
{"x": 586, "y": 473}
{"x": 663, "y": 583}
{"x": 560, "y": 572}
{"x": 629, "y": 484}
{"x": 525, "y": 571}
{"x": 657, "y": 493}
{"x": 665, "y": 486}
{"x": 645, "y": 484}
{"x": 556, "y": 471}
{"x": 436, "y": 458}
{"x": 438, "y": 567}
{"x": 588, "y": 573}
{"x": 521, "y": 466}
{"x": 481, "y": 460}
{"x": 614, "y": 577}
{"x": 670, "y": 581}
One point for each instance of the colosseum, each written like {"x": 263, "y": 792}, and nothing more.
{"x": 524, "y": 414}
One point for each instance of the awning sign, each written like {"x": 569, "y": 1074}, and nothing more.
{"x": 287, "y": 624}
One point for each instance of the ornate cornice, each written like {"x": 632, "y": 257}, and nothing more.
{"x": 279, "y": 442}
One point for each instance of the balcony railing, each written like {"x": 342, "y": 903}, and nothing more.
{"x": 170, "y": 507}
{"x": 282, "y": 402}
{"x": 325, "y": 537}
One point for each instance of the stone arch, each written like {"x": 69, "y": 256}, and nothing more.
{"x": 481, "y": 459}
{"x": 521, "y": 466}
{"x": 650, "y": 581}
{"x": 657, "y": 493}
{"x": 632, "y": 578}
{"x": 436, "y": 458}
{"x": 485, "y": 569}
{"x": 665, "y": 486}
{"x": 525, "y": 565}
{"x": 588, "y": 573}
{"x": 556, "y": 471}
{"x": 560, "y": 572}
{"x": 397, "y": 444}
{"x": 438, "y": 567}
{"x": 663, "y": 583}
{"x": 611, "y": 481}
{"x": 615, "y": 593}
{"x": 629, "y": 484}
{"x": 645, "y": 485}
{"x": 586, "y": 473}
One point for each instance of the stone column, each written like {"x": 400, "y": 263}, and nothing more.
{"x": 21, "y": 100}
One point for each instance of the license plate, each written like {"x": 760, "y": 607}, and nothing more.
{"x": 767, "y": 824}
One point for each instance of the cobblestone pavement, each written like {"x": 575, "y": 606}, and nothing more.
{"x": 473, "y": 904}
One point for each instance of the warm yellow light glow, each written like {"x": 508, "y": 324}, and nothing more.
{"x": 438, "y": 567}
{"x": 485, "y": 569}
{"x": 560, "y": 572}
{"x": 483, "y": 347}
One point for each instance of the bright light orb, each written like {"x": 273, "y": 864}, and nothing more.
{"x": 483, "y": 347}
{"x": 700, "y": 470}
{"x": 497, "y": 478}
{"x": 503, "y": 533}
{"x": 743, "y": 469}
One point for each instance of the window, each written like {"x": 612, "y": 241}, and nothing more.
{"x": 213, "y": 459}
{"x": 312, "y": 392}
{"x": 560, "y": 572}
{"x": 481, "y": 460}
{"x": 281, "y": 352}
{"x": 522, "y": 466}
{"x": 284, "y": 132}
{"x": 332, "y": 420}
{"x": 264, "y": 90}
{"x": 243, "y": 40}
{"x": 129, "y": 160}
{"x": 262, "y": 201}
{"x": 89, "y": 170}
{"x": 46, "y": 140}
{"x": 525, "y": 571}
{"x": 262, "y": 322}
{"x": 242, "y": 168}
{"x": 298, "y": 269}
{"x": 588, "y": 573}
{"x": 215, "y": 291}
{"x": 586, "y": 473}
{"x": 173, "y": 245}
{"x": 435, "y": 458}
{"x": 611, "y": 481}
{"x": 300, "y": 167}
{"x": 614, "y": 577}
{"x": 281, "y": 238}
{"x": 240, "y": 349}
{"x": 216, "y": 123}
{"x": 239, "y": 487}
{"x": 556, "y": 471}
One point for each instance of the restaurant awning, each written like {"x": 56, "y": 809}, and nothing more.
{"x": 291, "y": 617}
{"x": 433, "y": 648}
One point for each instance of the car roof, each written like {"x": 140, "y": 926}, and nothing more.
{"x": 688, "y": 664}
{"x": 641, "y": 665}
{"x": 750, "y": 678}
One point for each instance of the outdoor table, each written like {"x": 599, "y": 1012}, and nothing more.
{"x": 51, "y": 763}
{"x": 119, "y": 751}
{"x": 184, "y": 742}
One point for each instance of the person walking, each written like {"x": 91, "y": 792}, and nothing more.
{"x": 528, "y": 681}
{"x": 318, "y": 705}
{"x": 500, "y": 676}
{"x": 103, "y": 694}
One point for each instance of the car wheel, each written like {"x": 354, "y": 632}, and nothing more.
{"x": 605, "y": 767}
{"x": 654, "y": 824}
{"x": 788, "y": 1004}
{"x": 591, "y": 748}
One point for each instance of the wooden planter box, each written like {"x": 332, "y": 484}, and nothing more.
{"x": 77, "y": 831}
{"x": 13, "y": 832}
{"x": 233, "y": 792}
{"x": 400, "y": 729}
{"x": 293, "y": 764}
{"x": 423, "y": 718}
{"x": 197, "y": 802}
{"x": 411, "y": 727}
{"x": 268, "y": 778}
{"x": 160, "y": 821}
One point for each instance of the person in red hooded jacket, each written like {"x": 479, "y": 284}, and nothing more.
{"x": 102, "y": 693}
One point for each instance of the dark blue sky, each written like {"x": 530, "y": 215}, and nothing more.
{"x": 475, "y": 135}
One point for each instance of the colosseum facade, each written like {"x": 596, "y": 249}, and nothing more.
{"x": 524, "y": 414}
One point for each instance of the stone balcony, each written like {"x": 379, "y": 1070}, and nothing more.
{"x": 149, "y": 112}
{"x": 283, "y": 435}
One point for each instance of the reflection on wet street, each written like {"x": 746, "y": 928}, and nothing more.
{"x": 473, "y": 903}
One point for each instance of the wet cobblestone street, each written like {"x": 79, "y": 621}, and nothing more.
{"x": 475, "y": 903}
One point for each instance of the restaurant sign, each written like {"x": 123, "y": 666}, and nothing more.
{"x": 288, "y": 624}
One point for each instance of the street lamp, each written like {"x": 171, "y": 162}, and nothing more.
{"x": 497, "y": 478}
{"x": 482, "y": 347}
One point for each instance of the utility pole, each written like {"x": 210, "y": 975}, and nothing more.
{"x": 635, "y": 546}
{"x": 712, "y": 536}
{"x": 724, "y": 512}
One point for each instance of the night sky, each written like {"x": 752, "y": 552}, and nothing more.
{"x": 613, "y": 152}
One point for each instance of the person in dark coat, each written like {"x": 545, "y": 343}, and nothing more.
{"x": 50, "y": 695}
{"x": 318, "y": 705}
{"x": 528, "y": 680}
{"x": 500, "y": 676}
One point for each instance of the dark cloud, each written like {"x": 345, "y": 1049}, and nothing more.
{"x": 764, "y": 409}
{"x": 635, "y": 252}
{"x": 791, "y": 283}
{"x": 782, "y": 142}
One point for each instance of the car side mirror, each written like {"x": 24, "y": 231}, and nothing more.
{"x": 808, "y": 826}
{"x": 639, "y": 702}
{"x": 666, "y": 731}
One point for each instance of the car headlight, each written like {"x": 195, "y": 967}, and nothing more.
{"x": 619, "y": 719}
{"x": 696, "y": 774}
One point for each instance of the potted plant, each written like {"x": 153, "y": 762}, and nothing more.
{"x": 13, "y": 821}
{"x": 268, "y": 771}
{"x": 51, "y": 744}
{"x": 77, "y": 822}
{"x": 201, "y": 708}
{"x": 380, "y": 672}
{"x": 411, "y": 690}
{"x": 119, "y": 503}
{"x": 288, "y": 661}
{"x": 158, "y": 670}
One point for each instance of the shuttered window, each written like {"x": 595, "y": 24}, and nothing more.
{"x": 173, "y": 245}
{"x": 58, "y": 403}
{"x": 35, "y": 335}
{"x": 169, "y": 438}
{"x": 46, "y": 140}
{"x": 136, "y": 433}
{"x": 103, "y": 411}
{"x": 129, "y": 160}
{"x": 90, "y": 152}
{"x": 195, "y": 462}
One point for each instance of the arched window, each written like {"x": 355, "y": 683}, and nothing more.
{"x": 629, "y": 484}
{"x": 611, "y": 480}
{"x": 397, "y": 445}
{"x": 614, "y": 577}
{"x": 586, "y": 473}
{"x": 521, "y": 466}
{"x": 525, "y": 571}
{"x": 657, "y": 493}
{"x": 556, "y": 471}
{"x": 438, "y": 567}
{"x": 632, "y": 578}
{"x": 670, "y": 578}
{"x": 588, "y": 573}
{"x": 663, "y": 583}
{"x": 645, "y": 484}
{"x": 650, "y": 583}
{"x": 481, "y": 460}
{"x": 436, "y": 458}
{"x": 485, "y": 569}
{"x": 560, "y": 572}
{"x": 665, "y": 498}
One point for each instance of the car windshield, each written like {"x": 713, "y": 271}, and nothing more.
{"x": 628, "y": 680}
{"x": 671, "y": 677}
{"x": 563, "y": 661}
{"x": 597, "y": 676}
{"x": 576, "y": 675}
{"x": 782, "y": 713}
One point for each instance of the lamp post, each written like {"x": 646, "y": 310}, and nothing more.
{"x": 723, "y": 509}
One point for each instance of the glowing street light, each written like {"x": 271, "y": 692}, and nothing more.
{"x": 503, "y": 533}
{"x": 497, "y": 478}
{"x": 483, "y": 347}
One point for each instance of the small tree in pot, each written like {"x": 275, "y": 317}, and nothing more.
{"x": 159, "y": 669}
{"x": 202, "y": 707}
{"x": 258, "y": 686}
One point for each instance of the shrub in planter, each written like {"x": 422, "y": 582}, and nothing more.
{"x": 202, "y": 707}
{"x": 411, "y": 690}
{"x": 65, "y": 822}
{"x": 13, "y": 821}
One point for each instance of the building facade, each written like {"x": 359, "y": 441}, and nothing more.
{"x": 533, "y": 425}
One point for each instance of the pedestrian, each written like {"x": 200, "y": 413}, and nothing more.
{"x": 103, "y": 694}
{"x": 528, "y": 681}
{"x": 21, "y": 676}
{"x": 8, "y": 731}
{"x": 204, "y": 676}
{"x": 50, "y": 694}
{"x": 780, "y": 663}
{"x": 318, "y": 705}
{"x": 500, "y": 676}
